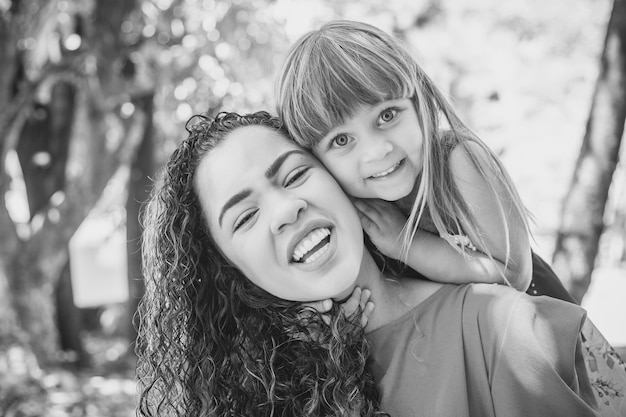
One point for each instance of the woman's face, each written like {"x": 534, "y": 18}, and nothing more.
{"x": 279, "y": 216}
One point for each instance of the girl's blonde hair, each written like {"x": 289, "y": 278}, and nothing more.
{"x": 330, "y": 73}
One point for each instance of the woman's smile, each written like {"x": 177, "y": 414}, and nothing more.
{"x": 312, "y": 246}
{"x": 316, "y": 250}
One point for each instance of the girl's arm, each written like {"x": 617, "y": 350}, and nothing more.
{"x": 492, "y": 209}
{"x": 433, "y": 257}
{"x": 428, "y": 254}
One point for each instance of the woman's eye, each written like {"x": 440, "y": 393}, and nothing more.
{"x": 339, "y": 141}
{"x": 245, "y": 218}
{"x": 296, "y": 175}
{"x": 387, "y": 115}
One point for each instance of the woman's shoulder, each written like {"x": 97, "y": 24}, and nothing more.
{"x": 476, "y": 296}
{"x": 417, "y": 291}
{"x": 491, "y": 297}
{"x": 498, "y": 307}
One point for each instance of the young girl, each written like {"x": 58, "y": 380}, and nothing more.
{"x": 354, "y": 95}
{"x": 429, "y": 191}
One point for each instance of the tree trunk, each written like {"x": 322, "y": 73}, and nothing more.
{"x": 16, "y": 358}
{"x": 584, "y": 204}
{"x": 69, "y": 320}
{"x": 84, "y": 112}
{"x": 43, "y": 145}
{"x": 37, "y": 264}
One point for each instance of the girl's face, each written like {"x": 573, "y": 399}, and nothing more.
{"x": 279, "y": 216}
{"x": 377, "y": 153}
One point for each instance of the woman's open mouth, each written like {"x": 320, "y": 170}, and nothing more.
{"x": 312, "y": 246}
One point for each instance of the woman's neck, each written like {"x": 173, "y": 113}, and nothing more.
{"x": 392, "y": 297}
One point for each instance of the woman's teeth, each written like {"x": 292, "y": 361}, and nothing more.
{"x": 312, "y": 246}
{"x": 387, "y": 172}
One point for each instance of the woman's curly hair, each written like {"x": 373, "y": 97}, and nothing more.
{"x": 210, "y": 342}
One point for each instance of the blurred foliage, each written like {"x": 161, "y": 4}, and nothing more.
{"x": 206, "y": 56}
{"x": 107, "y": 388}
{"x": 202, "y": 56}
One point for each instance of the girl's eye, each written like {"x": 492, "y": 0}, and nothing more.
{"x": 245, "y": 218}
{"x": 387, "y": 115}
{"x": 339, "y": 141}
{"x": 295, "y": 175}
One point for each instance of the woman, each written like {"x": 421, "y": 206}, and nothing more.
{"x": 211, "y": 341}
{"x": 242, "y": 220}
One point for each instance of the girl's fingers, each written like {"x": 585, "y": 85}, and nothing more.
{"x": 322, "y": 306}
{"x": 363, "y": 206}
{"x": 352, "y": 303}
{"x": 365, "y": 297}
{"x": 369, "y": 307}
{"x": 360, "y": 205}
{"x": 366, "y": 223}
{"x": 368, "y": 209}
{"x": 366, "y": 306}
{"x": 359, "y": 299}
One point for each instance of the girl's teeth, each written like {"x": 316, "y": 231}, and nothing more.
{"x": 389, "y": 171}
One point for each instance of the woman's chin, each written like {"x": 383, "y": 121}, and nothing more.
{"x": 344, "y": 295}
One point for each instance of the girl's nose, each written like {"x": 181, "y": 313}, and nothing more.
{"x": 286, "y": 211}
{"x": 377, "y": 148}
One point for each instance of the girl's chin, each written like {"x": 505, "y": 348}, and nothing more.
{"x": 393, "y": 192}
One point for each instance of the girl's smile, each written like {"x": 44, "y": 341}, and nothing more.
{"x": 385, "y": 174}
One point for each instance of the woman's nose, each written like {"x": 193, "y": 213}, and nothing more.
{"x": 286, "y": 212}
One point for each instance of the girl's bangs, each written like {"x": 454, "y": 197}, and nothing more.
{"x": 336, "y": 90}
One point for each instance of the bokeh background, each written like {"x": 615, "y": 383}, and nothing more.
{"x": 94, "y": 94}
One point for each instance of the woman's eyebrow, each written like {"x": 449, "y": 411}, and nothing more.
{"x": 278, "y": 162}
{"x": 269, "y": 173}
{"x": 241, "y": 195}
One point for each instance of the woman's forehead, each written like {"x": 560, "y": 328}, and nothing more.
{"x": 246, "y": 149}
{"x": 255, "y": 144}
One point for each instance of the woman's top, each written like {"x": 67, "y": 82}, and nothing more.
{"x": 483, "y": 350}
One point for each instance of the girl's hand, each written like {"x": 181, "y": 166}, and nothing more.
{"x": 383, "y": 222}
{"x": 358, "y": 299}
